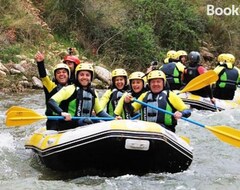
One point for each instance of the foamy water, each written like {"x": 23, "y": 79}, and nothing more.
{"x": 215, "y": 164}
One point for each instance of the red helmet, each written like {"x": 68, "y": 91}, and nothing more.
{"x": 71, "y": 58}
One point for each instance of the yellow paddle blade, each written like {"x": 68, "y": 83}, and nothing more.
{"x": 19, "y": 118}
{"x": 201, "y": 81}
{"x": 186, "y": 139}
{"x": 226, "y": 134}
{"x": 17, "y": 108}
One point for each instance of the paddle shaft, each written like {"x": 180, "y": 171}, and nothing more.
{"x": 61, "y": 118}
{"x": 224, "y": 133}
{"x": 136, "y": 116}
{"x": 170, "y": 113}
{"x": 75, "y": 118}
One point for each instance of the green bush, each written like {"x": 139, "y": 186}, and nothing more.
{"x": 128, "y": 34}
{"x": 8, "y": 53}
{"x": 147, "y": 28}
{"x": 176, "y": 23}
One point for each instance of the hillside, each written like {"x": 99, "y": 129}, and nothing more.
{"x": 118, "y": 33}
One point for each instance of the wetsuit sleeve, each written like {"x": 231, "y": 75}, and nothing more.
{"x": 61, "y": 95}
{"x": 136, "y": 106}
{"x": 180, "y": 66}
{"x": 54, "y": 106}
{"x": 41, "y": 69}
{"x": 218, "y": 69}
{"x": 97, "y": 106}
{"x": 48, "y": 83}
{"x": 105, "y": 98}
{"x": 178, "y": 104}
{"x": 238, "y": 82}
{"x": 186, "y": 113}
{"x": 119, "y": 108}
{"x": 201, "y": 70}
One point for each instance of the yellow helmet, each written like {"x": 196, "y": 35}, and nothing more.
{"x": 172, "y": 54}
{"x": 166, "y": 60}
{"x": 84, "y": 67}
{"x": 230, "y": 58}
{"x": 221, "y": 58}
{"x": 181, "y": 53}
{"x": 119, "y": 72}
{"x": 156, "y": 74}
{"x": 137, "y": 75}
{"x": 62, "y": 66}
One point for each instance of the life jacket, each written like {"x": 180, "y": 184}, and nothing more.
{"x": 172, "y": 73}
{"x": 160, "y": 100}
{"x": 113, "y": 100}
{"x": 192, "y": 72}
{"x": 228, "y": 78}
{"x": 126, "y": 114}
{"x": 80, "y": 103}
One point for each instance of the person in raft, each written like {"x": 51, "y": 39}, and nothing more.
{"x": 72, "y": 61}
{"x": 229, "y": 77}
{"x": 161, "y": 97}
{"x": 61, "y": 78}
{"x": 137, "y": 87}
{"x": 173, "y": 70}
{"x": 193, "y": 70}
{"x": 110, "y": 98}
{"x": 78, "y": 99}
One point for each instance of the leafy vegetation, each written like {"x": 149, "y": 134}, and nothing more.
{"x": 121, "y": 33}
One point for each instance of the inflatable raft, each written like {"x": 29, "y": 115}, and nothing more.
{"x": 112, "y": 148}
{"x": 202, "y": 103}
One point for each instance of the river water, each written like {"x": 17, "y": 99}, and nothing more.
{"x": 215, "y": 165}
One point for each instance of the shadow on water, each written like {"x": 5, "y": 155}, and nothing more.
{"x": 78, "y": 175}
{"x": 49, "y": 174}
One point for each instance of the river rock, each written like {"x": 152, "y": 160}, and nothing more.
{"x": 206, "y": 54}
{"x": 19, "y": 67}
{"x": 25, "y": 83}
{"x": 3, "y": 68}
{"x": 21, "y": 57}
{"x": 96, "y": 83}
{"x": 32, "y": 61}
{"x": 20, "y": 87}
{"x": 2, "y": 74}
{"x": 103, "y": 74}
{"x": 37, "y": 83}
{"x": 14, "y": 71}
{"x": 24, "y": 78}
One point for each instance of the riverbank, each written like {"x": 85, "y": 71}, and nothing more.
{"x": 22, "y": 76}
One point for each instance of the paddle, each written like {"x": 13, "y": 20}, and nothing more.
{"x": 224, "y": 133}
{"x": 16, "y": 108}
{"x": 28, "y": 116}
{"x": 136, "y": 116}
{"x": 200, "y": 81}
